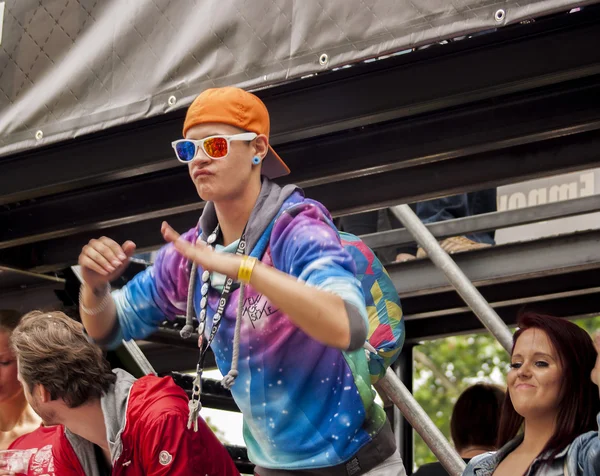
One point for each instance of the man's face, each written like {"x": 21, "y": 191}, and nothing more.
{"x": 220, "y": 179}
{"x": 35, "y": 400}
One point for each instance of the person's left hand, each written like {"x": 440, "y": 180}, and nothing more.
{"x": 596, "y": 369}
{"x": 202, "y": 254}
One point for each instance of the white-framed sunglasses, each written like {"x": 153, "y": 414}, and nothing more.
{"x": 215, "y": 147}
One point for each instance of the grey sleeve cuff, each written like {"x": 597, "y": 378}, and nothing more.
{"x": 358, "y": 329}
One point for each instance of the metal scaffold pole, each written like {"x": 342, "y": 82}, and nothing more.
{"x": 420, "y": 421}
{"x": 464, "y": 287}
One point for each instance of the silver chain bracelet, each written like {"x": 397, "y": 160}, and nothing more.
{"x": 101, "y": 307}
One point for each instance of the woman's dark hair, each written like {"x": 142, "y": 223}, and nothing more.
{"x": 579, "y": 403}
{"x": 476, "y": 416}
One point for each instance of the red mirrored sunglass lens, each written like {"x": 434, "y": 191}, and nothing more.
{"x": 216, "y": 147}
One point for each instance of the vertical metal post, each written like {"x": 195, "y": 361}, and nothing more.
{"x": 465, "y": 288}
{"x": 402, "y": 429}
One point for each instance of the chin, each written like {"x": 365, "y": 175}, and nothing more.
{"x": 210, "y": 193}
{"x": 205, "y": 192}
{"x": 533, "y": 411}
{"x": 522, "y": 407}
{"x": 207, "y": 195}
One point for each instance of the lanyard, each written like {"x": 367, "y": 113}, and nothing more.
{"x": 194, "y": 403}
{"x": 218, "y": 316}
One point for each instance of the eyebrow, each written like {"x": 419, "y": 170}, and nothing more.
{"x": 542, "y": 354}
{"x": 218, "y": 134}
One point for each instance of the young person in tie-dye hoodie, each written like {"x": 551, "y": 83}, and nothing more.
{"x": 302, "y": 378}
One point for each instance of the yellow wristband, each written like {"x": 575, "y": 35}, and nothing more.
{"x": 246, "y": 267}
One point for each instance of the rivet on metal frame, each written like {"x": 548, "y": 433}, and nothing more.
{"x": 499, "y": 15}
{"x": 172, "y": 100}
{"x": 323, "y": 59}
{"x": 39, "y": 135}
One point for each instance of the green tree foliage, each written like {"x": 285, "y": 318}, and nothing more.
{"x": 445, "y": 367}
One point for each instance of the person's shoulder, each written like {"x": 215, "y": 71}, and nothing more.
{"x": 41, "y": 436}
{"x": 584, "y": 444}
{"x": 153, "y": 396}
{"x": 297, "y": 205}
{"x": 483, "y": 457}
{"x": 152, "y": 386}
{"x": 484, "y": 460}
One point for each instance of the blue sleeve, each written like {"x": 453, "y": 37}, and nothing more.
{"x": 158, "y": 293}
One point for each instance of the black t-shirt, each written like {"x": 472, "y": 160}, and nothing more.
{"x": 103, "y": 467}
{"x": 433, "y": 469}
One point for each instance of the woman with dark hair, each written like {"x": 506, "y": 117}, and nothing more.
{"x": 473, "y": 426}
{"x": 16, "y": 417}
{"x": 549, "y": 418}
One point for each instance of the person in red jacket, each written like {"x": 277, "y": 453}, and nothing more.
{"x": 113, "y": 423}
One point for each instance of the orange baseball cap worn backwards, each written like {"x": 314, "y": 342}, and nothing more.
{"x": 238, "y": 108}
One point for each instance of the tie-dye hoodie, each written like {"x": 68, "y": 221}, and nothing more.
{"x": 305, "y": 405}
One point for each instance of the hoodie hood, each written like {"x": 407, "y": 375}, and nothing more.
{"x": 114, "y": 408}
{"x": 269, "y": 203}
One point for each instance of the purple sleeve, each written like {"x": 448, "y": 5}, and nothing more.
{"x": 306, "y": 245}
{"x": 157, "y": 293}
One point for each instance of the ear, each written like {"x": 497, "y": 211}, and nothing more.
{"x": 261, "y": 146}
{"x": 42, "y": 393}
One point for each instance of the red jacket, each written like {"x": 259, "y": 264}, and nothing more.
{"x": 155, "y": 439}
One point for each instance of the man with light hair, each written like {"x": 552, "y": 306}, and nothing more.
{"x": 113, "y": 423}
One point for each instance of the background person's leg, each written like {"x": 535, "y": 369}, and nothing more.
{"x": 440, "y": 209}
{"x": 458, "y": 206}
{"x": 484, "y": 201}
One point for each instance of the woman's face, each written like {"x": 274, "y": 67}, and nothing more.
{"x": 9, "y": 384}
{"x": 535, "y": 379}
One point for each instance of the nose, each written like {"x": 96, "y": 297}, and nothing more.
{"x": 524, "y": 371}
{"x": 201, "y": 156}
{"x": 200, "y": 161}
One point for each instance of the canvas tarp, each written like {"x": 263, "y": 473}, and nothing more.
{"x": 71, "y": 67}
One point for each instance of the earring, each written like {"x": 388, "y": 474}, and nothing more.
{"x": 256, "y": 160}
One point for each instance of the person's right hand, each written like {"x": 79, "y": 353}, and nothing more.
{"x": 104, "y": 260}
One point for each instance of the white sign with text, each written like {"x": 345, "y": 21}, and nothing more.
{"x": 549, "y": 190}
